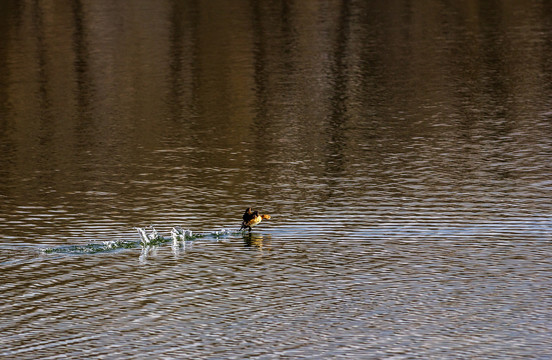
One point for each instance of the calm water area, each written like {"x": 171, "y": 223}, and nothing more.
{"x": 402, "y": 148}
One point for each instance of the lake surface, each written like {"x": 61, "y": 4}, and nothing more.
{"x": 403, "y": 149}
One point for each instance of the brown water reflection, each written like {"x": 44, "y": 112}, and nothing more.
{"x": 403, "y": 148}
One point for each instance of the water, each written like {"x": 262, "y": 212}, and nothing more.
{"x": 402, "y": 149}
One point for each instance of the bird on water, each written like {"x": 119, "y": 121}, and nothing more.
{"x": 251, "y": 218}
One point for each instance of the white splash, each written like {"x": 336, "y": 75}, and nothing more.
{"x": 179, "y": 234}
{"x": 222, "y": 232}
{"x": 110, "y": 244}
{"x": 147, "y": 238}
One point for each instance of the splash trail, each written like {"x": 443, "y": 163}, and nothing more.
{"x": 149, "y": 236}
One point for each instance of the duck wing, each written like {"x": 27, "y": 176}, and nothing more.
{"x": 247, "y": 215}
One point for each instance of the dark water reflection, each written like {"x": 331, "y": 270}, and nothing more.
{"x": 403, "y": 149}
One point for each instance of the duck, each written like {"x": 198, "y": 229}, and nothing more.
{"x": 251, "y": 218}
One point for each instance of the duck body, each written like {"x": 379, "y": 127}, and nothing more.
{"x": 252, "y": 218}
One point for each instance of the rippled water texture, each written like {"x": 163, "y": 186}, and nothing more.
{"x": 403, "y": 149}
